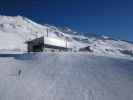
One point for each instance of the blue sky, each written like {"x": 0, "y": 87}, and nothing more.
{"x": 108, "y": 17}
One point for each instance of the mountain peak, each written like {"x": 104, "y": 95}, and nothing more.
{"x": 14, "y": 31}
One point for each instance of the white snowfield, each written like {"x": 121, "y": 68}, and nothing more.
{"x": 11, "y": 41}
{"x": 57, "y": 42}
{"x": 65, "y": 76}
{"x": 14, "y": 31}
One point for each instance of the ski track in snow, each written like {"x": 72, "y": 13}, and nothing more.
{"x": 65, "y": 76}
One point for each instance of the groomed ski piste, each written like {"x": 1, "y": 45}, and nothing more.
{"x": 65, "y": 76}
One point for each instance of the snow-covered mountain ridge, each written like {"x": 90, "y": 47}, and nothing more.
{"x": 14, "y": 31}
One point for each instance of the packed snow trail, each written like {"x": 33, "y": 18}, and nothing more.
{"x": 65, "y": 76}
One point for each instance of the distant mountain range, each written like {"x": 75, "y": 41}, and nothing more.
{"x": 14, "y": 31}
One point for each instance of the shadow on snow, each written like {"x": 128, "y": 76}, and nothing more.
{"x": 25, "y": 56}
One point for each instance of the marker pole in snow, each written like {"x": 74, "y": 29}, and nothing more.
{"x": 66, "y": 43}
{"x": 47, "y": 32}
{"x": 44, "y": 42}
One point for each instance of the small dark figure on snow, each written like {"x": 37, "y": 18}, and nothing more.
{"x": 19, "y": 72}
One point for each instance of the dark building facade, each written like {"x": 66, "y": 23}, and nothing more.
{"x": 38, "y": 45}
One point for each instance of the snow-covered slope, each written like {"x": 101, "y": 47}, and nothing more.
{"x": 60, "y": 76}
{"x": 14, "y": 31}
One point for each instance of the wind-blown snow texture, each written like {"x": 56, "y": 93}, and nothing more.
{"x": 65, "y": 76}
{"x": 14, "y": 31}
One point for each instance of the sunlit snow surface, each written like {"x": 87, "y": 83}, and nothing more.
{"x": 16, "y": 30}
{"x": 65, "y": 76}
